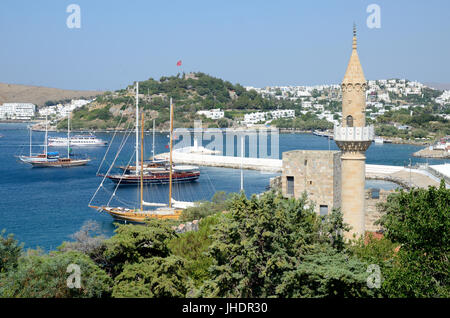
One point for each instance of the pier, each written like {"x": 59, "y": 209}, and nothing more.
{"x": 421, "y": 177}
{"x": 262, "y": 164}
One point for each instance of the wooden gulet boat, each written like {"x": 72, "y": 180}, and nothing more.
{"x": 172, "y": 210}
{"x": 155, "y": 172}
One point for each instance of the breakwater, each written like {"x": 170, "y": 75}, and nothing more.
{"x": 405, "y": 177}
{"x": 431, "y": 153}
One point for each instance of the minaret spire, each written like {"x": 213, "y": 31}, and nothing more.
{"x": 353, "y": 137}
{"x": 354, "y": 73}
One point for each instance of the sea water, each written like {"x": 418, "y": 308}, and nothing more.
{"x": 42, "y": 207}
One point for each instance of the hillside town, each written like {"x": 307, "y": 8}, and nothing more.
{"x": 401, "y": 110}
{"x": 29, "y": 111}
{"x": 381, "y": 97}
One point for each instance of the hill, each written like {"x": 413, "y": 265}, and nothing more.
{"x": 190, "y": 92}
{"x": 38, "y": 95}
{"x": 439, "y": 86}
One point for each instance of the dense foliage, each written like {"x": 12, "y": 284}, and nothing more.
{"x": 45, "y": 276}
{"x": 10, "y": 252}
{"x": 419, "y": 221}
{"x": 307, "y": 122}
{"x": 277, "y": 247}
{"x": 193, "y": 247}
{"x": 153, "y": 277}
{"x": 266, "y": 246}
{"x": 422, "y": 122}
{"x": 219, "y": 203}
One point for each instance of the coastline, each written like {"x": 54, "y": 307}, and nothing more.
{"x": 435, "y": 154}
{"x": 393, "y": 140}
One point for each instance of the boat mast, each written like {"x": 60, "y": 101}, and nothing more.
{"x": 137, "y": 126}
{"x": 153, "y": 144}
{"x": 142, "y": 163}
{"x": 170, "y": 160}
{"x": 45, "y": 144}
{"x": 68, "y": 135}
{"x": 242, "y": 159}
{"x": 31, "y": 139}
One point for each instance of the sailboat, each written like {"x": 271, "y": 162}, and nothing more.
{"x": 60, "y": 162}
{"x": 155, "y": 171}
{"x": 43, "y": 157}
{"x": 172, "y": 210}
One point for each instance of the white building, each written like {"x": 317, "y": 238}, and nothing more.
{"x": 318, "y": 107}
{"x": 254, "y": 118}
{"x": 282, "y": 113}
{"x": 24, "y": 111}
{"x": 62, "y": 111}
{"x": 444, "y": 98}
{"x": 306, "y": 104}
{"x": 213, "y": 113}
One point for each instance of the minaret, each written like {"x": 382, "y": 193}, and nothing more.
{"x": 353, "y": 138}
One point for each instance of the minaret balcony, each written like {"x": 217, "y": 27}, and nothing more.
{"x": 353, "y": 133}
{"x": 353, "y": 139}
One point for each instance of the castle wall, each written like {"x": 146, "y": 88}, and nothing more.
{"x": 317, "y": 173}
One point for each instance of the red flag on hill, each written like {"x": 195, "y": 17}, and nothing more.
{"x": 179, "y": 63}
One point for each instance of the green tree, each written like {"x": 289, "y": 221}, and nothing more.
{"x": 219, "y": 203}
{"x": 46, "y": 276}
{"x": 192, "y": 247}
{"x": 135, "y": 243}
{"x": 325, "y": 272}
{"x": 10, "y": 251}
{"x": 262, "y": 245}
{"x": 223, "y": 123}
{"x": 153, "y": 277}
{"x": 419, "y": 222}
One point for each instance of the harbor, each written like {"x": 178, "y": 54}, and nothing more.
{"x": 420, "y": 176}
{"x": 440, "y": 150}
{"x": 56, "y": 199}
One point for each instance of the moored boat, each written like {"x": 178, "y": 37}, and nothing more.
{"x": 58, "y": 162}
{"x": 155, "y": 177}
{"x": 173, "y": 210}
{"x": 42, "y": 157}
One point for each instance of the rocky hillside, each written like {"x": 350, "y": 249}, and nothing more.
{"x": 10, "y": 93}
{"x": 190, "y": 92}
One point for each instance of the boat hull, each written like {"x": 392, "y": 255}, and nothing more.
{"x": 154, "y": 179}
{"x": 35, "y": 159}
{"x": 60, "y": 163}
{"x": 133, "y": 216}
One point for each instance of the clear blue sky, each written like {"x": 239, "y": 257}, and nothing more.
{"x": 252, "y": 42}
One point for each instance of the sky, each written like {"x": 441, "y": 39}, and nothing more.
{"x": 252, "y": 42}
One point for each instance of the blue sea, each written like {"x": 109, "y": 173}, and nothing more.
{"x": 42, "y": 207}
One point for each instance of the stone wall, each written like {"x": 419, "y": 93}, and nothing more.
{"x": 316, "y": 172}
{"x": 372, "y": 213}
{"x": 275, "y": 183}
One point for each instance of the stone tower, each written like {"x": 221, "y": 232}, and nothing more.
{"x": 353, "y": 138}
